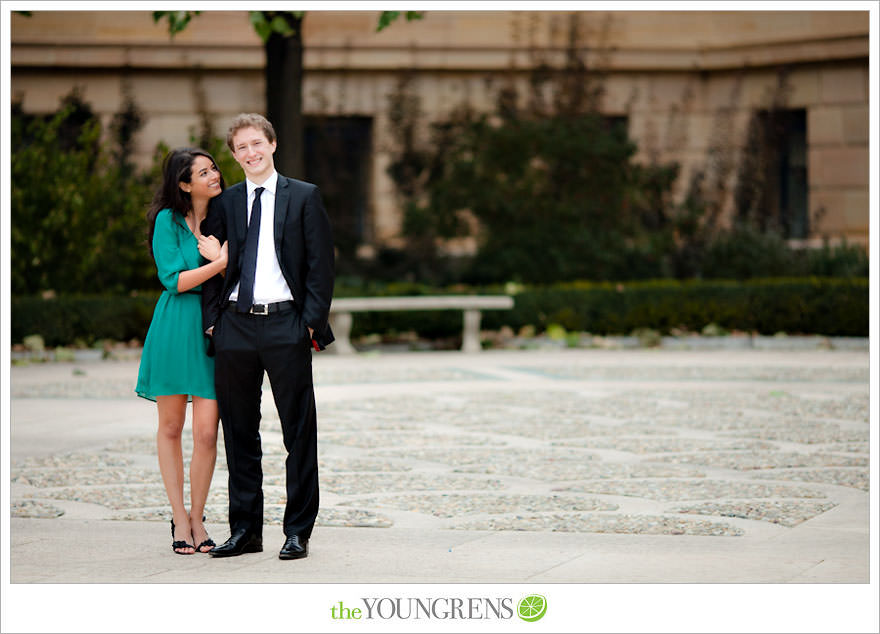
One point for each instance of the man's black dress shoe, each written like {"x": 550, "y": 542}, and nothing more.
{"x": 241, "y": 541}
{"x": 294, "y": 548}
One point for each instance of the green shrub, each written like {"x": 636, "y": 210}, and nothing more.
{"x": 843, "y": 260}
{"x": 556, "y": 198}
{"x": 745, "y": 252}
{"x": 78, "y": 204}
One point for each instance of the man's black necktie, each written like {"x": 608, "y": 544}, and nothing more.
{"x": 249, "y": 261}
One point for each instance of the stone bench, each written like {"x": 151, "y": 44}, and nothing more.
{"x": 341, "y": 311}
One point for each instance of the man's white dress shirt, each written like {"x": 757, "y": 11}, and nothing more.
{"x": 269, "y": 284}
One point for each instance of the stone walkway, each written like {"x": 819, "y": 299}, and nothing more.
{"x": 751, "y": 453}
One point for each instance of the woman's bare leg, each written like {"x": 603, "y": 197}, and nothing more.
{"x": 172, "y": 414}
{"x": 201, "y": 469}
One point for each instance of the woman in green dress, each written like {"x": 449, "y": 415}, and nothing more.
{"x": 175, "y": 367}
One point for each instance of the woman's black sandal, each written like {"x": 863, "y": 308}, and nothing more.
{"x": 207, "y": 542}
{"x": 175, "y": 545}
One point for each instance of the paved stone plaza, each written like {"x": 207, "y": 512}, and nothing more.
{"x": 739, "y": 466}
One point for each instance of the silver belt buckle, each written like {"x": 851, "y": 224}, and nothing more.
{"x": 260, "y": 309}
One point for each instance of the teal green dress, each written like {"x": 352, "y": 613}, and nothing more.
{"x": 175, "y": 360}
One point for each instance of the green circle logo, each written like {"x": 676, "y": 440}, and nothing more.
{"x": 532, "y": 608}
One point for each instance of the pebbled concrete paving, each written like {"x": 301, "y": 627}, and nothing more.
{"x": 581, "y": 466}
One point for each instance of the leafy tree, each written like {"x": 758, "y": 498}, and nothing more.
{"x": 281, "y": 32}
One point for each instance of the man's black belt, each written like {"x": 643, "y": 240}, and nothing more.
{"x": 265, "y": 309}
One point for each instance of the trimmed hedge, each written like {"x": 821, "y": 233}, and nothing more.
{"x": 65, "y": 319}
{"x": 826, "y": 306}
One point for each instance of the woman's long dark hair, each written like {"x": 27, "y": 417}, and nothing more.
{"x": 176, "y": 169}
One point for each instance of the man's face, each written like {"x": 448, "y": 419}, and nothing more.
{"x": 253, "y": 151}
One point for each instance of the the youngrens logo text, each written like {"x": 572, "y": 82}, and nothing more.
{"x": 439, "y": 608}
{"x": 530, "y": 608}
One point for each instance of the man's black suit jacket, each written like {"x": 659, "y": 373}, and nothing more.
{"x": 303, "y": 244}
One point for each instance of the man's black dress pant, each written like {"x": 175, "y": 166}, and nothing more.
{"x": 247, "y": 345}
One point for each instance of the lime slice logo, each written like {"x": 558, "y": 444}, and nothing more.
{"x": 532, "y": 607}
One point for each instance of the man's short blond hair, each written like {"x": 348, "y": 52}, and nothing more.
{"x": 250, "y": 120}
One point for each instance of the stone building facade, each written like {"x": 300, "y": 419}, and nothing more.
{"x": 686, "y": 84}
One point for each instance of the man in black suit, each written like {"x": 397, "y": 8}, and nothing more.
{"x": 266, "y": 314}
